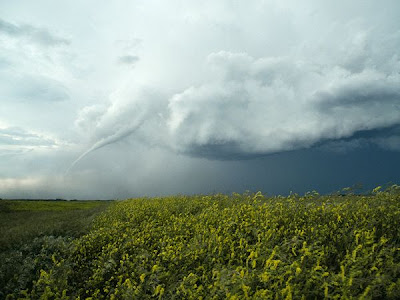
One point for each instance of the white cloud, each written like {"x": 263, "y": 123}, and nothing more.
{"x": 89, "y": 117}
{"x": 248, "y": 106}
{"x": 14, "y": 140}
{"x": 276, "y": 104}
{"x": 32, "y": 87}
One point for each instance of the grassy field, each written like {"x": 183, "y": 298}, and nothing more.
{"x": 31, "y": 230}
{"x": 223, "y": 247}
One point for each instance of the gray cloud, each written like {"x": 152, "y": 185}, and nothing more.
{"x": 31, "y": 33}
{"x": 40, "y": 88}
{"x": 389, "y": 143}
{"x": 32, "y": 87}
{"x": 9, "y": 153}
{"x": 363, "y": 89}
{"x": 386, "y": 138}
{"x": 33, "y": 68}
{"x": 128, "y": 60}
{"x": 343, "y": 146}
{"x": 4, "y": 62}
{"x": 14, "y": 136}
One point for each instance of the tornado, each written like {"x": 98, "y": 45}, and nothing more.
{"x": 121, "y": 134}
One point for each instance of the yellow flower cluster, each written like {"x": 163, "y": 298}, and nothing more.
{"x": 235, "y": 247}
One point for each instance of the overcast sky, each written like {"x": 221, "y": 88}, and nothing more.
{"x": 115, "y": 99}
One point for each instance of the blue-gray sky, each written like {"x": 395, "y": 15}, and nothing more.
{"x": 112, "y": 99}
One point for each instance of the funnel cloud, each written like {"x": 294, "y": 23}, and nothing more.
{"x": 119, "y": 135}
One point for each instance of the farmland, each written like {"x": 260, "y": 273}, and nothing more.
{"x": 31, "y": 231}
{"x": 239, "y": 246}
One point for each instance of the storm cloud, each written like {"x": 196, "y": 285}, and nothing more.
{"x": 273, "y": 104}
{"x": 136, "y": 98}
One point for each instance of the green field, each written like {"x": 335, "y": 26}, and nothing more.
{"x": 211, "y": 247}
{"x": 30, "y": 231}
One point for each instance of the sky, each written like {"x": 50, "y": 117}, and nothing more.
{"x": 129, "y": 98}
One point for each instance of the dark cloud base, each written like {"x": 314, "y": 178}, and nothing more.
{"x": 231, "y": 151}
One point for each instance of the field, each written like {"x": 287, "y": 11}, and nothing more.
{"x": 214, "y": 247}
{"x": 30, "y": 231}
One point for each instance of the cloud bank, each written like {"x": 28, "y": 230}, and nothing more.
{"x": 249, "y": 106}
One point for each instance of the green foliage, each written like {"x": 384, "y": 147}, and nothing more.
{"x": 47, "y": 205}
{"x": 22, "y": 221}
{"x": 231, "y": 247}
{"x": 32, "y": 232}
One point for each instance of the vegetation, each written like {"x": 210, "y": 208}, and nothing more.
{"x": 32, "y": 231}
{"x": 229, "y": 247}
